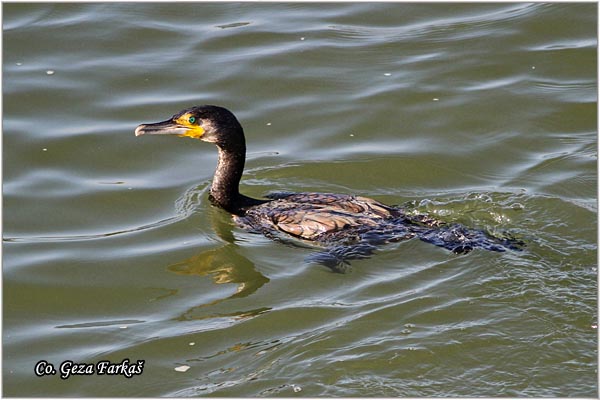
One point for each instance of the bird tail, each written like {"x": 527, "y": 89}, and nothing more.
{"x": 457, "y": 238}
{"x": 461, "y": 240}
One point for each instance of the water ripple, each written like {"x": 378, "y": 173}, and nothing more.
{"x": 481, "y": 114}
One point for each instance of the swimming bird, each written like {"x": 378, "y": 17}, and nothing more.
{"x": 345, "y": 226}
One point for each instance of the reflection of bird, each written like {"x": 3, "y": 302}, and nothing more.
{"x": 348, "y": 226}
{"x": 224, "y": 267}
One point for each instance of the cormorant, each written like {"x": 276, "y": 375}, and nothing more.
{"x": 346, "y": 226}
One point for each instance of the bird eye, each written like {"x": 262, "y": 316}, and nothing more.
{"x": 191, "y": 120}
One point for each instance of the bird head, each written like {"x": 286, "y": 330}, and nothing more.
{"x": 208, "y": 123}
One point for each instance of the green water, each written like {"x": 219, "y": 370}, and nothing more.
{"x": 483, "y": 114}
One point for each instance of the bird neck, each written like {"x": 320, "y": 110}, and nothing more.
{"x": 224, "y": 191}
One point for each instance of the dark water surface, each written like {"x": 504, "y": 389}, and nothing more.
{"x": 483, "y": 114}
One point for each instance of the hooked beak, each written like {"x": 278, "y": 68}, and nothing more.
{"x": 168, "y": 127}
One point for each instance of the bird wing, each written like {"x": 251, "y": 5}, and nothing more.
{"x": 310, "y": 215}
{"x": 308, "y": 224}
{"x": 343, "y": 203}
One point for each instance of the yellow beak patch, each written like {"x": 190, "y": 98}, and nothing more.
{"x": 193, "y": 131}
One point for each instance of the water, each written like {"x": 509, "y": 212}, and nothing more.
{"x": 483, "y": 114}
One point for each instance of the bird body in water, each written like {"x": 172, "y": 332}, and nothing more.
{"x": 347, "y": 226}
